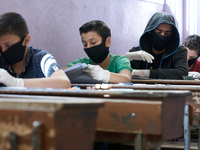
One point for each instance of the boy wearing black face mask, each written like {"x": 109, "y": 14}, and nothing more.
{"x": 192, "y": 44}
{"x": 102, "y": 66}
{"x": 159, "y": 55}
{"x": 23, "y": 66}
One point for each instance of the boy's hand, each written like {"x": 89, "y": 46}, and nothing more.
{"x": 141, "y": 73}
{"x": 10, "y": 81}
{"x": 194, "y": 74}
{"x": 140, "y": 55}
{"x": 97, "y": 73}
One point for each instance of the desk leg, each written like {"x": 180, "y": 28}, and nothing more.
{"x": 141, "y": 143}
{"x": 138, "y": 142}
{"x": 186, "y": 129}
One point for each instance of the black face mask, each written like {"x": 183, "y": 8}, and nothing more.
{"x": 159, "y": 42}
{"x": 97, "y": 53}
{"x": 192, "y": 61}
{"x": 15, "y": 53}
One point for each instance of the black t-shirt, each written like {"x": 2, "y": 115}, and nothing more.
{"x": 156, "y": 61}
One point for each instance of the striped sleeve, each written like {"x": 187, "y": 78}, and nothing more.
{"x": 49, "y": 65}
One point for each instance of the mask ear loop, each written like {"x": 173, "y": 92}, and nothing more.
{"x": 104, "y": 40}
{"x": 22, "y": 39}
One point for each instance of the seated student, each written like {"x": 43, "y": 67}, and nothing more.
{"x": 192, "y": 44}
{"x": 38, "y": 68}
{"x": 159, "y": 46}
{"x": 105, "y": 67}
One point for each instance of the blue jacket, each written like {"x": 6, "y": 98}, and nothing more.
{"x": 39, "y": 64}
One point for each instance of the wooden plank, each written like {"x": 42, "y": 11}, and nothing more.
{"x": 135, "y": 117}
{"x": 164, "y": 146}
{"x": 93, "y": 93}
{"x": 158, "y": 116}
{"x": 177, "y": 145}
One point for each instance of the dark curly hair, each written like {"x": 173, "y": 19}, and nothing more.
{"x": 98, "y": 26}
{"x": 13, "y": 23}
{"x": 192, "y": 42}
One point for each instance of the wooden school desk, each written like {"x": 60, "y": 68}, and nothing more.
{"x": 192, "y": 115}
{"x": 47, "y": 122}
{"x": 141, "y": 116}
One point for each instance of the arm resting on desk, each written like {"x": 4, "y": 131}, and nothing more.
{"x": 57, "y": 80}
{"x": 123, "y": 76}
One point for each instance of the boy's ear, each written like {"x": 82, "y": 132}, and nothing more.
{"x": 27, "y": 40}
{"x": 108, "y": 41}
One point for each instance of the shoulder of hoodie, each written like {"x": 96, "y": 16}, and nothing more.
{"x": 181, "y": 49}
{"x": 181, "y": 52}
{"x": 134, "y": 49}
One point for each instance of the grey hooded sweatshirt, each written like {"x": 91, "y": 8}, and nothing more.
{"x": 172, "y": 63}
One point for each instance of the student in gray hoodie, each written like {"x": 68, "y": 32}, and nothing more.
{"x": 159, "y": 54}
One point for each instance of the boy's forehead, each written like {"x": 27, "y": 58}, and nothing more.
{"x": 90, "y": 35}
{"x": 192, "y": 52}
{"x": 9, "y": 37}
{"x": 165, "y": 26}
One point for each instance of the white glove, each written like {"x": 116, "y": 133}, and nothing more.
{"x": 194, "y": 74}
{"x": 141, "y": 73}
{"x": 8, "y": 80}
{"x": 140, "y": 55}
{"x": 97, "y": 73}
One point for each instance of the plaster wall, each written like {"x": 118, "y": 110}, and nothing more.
{"x": 54, "y": 25}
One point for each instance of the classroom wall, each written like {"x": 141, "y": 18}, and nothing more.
{"x": 198, "y": 18}
{"x": 176, "y": 9}
{"x": 54, "y": 25}
{"x": 186, "y": 14}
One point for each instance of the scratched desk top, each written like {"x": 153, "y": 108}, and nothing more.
{"x": 125, "y": 93}
{"x": 143, "y": 86}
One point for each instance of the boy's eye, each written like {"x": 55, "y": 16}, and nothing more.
{"x": 7, "y": 46}
{"x": 192, "y": 57}
{"x": 168, "y": 33}
{"x": 158, "y": 32}
{"x": 84, "y": 44}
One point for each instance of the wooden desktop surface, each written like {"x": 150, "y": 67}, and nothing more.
{"x": 91, "y": 93}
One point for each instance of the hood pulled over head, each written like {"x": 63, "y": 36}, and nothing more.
{"x": 154, "y": 22}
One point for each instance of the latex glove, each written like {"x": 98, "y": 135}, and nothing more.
{"x": 141, "y": 73}
{"x": 194, "y": 74}
{"x": 8, "y": 80}
{"x": 97, "y": 73}
{"x": 140, "y": 55}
